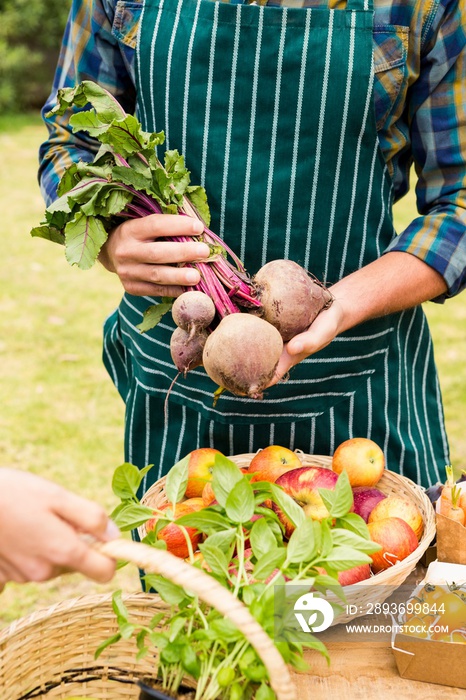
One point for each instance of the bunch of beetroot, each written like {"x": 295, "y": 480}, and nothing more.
{"x": 232, "y": 324}
{"x": 241, "y": 353}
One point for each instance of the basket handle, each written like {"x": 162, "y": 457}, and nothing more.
{"x": 209, "y": 590}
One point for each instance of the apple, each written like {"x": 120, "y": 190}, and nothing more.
{"x": 200, "y": 466}
{"x": 208, "y": 495}
{"x": 273, "y": 461}
{"x": 397, "y": 507}
{"x": 172, "y": 534}
{"x": 365, "y": 498}
{"x": 303, "y": 486}
{"x": 354, "y": 575}
{"x": 362, "y": 459}
{"x": 397, "y": 539}
{"x": 351, "y": 576}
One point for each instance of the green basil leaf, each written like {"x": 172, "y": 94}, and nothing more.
{"x": 215, "y": 559}
{"x": 240, "y": 503}
{"x": 291, "y": 509}
{"x": 262, "y": 538}
{"x": 342, "y": 496}
{"x": 126, "y": 480}
{"x": 131, "y": 515}
{"x": 302, "y": 544}
{"x": 267, "y": 564}
{"x": 177, "y": 480}
{"x": 343, "y": 557}
{"x": 225, "y": 474}
{"x": 346, "y": 537}
{"x": 354, "y": 522}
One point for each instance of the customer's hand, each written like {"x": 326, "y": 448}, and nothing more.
{"x": 46, "y": 530}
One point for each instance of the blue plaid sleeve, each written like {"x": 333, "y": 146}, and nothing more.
{"x": 437, "y": 123}
{"x": 90, "y": 50}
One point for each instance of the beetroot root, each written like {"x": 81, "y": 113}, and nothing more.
{"x": 291, "y": 299}
{"x": 186, "y": 349}
{"x": 241, "y": 354}
{"x": 193, "y": 311}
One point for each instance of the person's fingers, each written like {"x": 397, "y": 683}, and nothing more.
{"x": 162, "y": 252}
{"x": 10, "y": 572}
{"x": 163, "y": 225}
{"x": 91, "y": 563}
{"x": 84, "y": 515}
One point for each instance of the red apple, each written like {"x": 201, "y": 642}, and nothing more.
{"x": 200, "y": 466}
{"x": 172, "y": 534}
{"x": 396, "y": 538}
{"x": 397, "y": 507}
{"x": 303, "y": 486}
{"x": 354, "y": 575}
{"x": 365, "y": 499}
{"x": 350, "y": 576}
{"x": 362, "y": 459}
{"x": 273, "y": 461}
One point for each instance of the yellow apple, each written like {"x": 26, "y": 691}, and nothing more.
{"x": 273, "y": 461}
{"x": 362, "y": 459}
{"x": 200, "y": 466}
{"x": 397, "y": 507}
{"x": 396, "y": 538}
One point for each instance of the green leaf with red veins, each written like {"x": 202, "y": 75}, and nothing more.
{"x": 198, "y": 198}
{"x": 49, "y": 233}
{"x": 84, "y": 237}
{"x": 153, "y": 314}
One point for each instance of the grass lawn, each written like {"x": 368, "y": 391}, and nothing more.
{"x": 61, "y": 416}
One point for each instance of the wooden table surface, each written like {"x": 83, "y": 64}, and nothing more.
{"x": 364, "y": 671}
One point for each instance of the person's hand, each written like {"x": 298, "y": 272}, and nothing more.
{"x": 42, "y": 527}
{"x": 324, "y": 329}
{"x": 148, "y": 265}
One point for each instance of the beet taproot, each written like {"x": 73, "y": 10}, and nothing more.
{"x": 192, "y": 311}
{"x": 241, "y": 354}
{"x": 186, "y": 349}
{"x": 291, "y": 299}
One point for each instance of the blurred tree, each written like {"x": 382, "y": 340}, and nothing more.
{"x": 30, "y": 37}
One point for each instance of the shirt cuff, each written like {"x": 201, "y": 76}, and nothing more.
{"x": 440, "y": 241}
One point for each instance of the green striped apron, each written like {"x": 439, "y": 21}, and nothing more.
{"x": 273, "y": 109}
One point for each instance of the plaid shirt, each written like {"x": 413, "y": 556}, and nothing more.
{"x": 419, "y": 96}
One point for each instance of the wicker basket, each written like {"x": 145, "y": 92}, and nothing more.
{"x": 377, "y": 588}
{"x": 50, "y": 654}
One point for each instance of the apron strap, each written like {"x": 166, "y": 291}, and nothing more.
{"x": 367, "y": 5}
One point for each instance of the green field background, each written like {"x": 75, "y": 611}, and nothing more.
{"x": 60, "y": 415}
